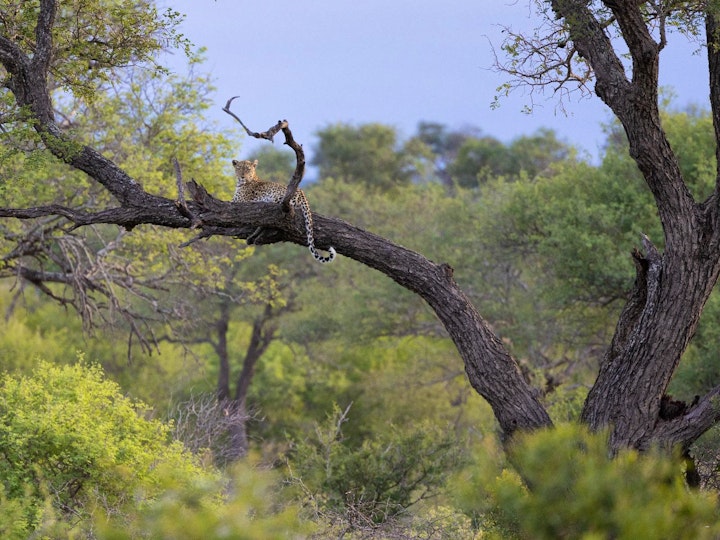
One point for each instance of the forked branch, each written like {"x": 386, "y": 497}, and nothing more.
{"x": 282, "y": 125}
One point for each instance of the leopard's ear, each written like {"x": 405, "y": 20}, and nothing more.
{"x": 255, "y": 163}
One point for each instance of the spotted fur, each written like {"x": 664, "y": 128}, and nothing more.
{"x": 249, "y": 188}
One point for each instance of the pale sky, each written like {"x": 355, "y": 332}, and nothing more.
{"x": 396, "y": 62}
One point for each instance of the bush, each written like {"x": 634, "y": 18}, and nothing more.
{"x": 72, "y": 445}
{"x": 562, "y": 483}
{"x": 246, "y": 508}
{"x": 358, "y": 484}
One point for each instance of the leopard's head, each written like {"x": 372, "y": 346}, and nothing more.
{"x": 245, "y": 169}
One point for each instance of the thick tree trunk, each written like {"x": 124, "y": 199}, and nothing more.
{"x": 671, "y": 288}
{"x": 237, "y": 435}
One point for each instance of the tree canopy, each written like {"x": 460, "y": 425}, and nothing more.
{"x": 96, "y": 217}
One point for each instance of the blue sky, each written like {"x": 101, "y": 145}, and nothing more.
{"x": 391, "y": 61}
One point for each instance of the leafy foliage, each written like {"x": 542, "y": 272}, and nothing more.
{"x": 539, "y": 240}
{"x": 480, "y": 158}
{"x": 365, "y": 154}
{"x": 249, "y": 508}
{"x": 68, "y": 435}
{"x": 92, "y": 38}
{"x": 375, "y": 480}
{"x": 562, "y": 483}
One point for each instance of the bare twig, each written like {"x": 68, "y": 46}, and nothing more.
{"x": 289, "y": 140}
{"x": 181, "y": 204}
{"x": 203, "y": 235}
{"x": 267, "y": 135}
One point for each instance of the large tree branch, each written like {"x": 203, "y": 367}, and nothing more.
{"x": 643, "y": 48}
{"x": 43, "y": 36}
{"x": 28, "y": 82}
{"x": 712, "y": 35}
{"x": 593, "y": 44}
{"x": 492, "y": 371}
{"x": 634, "y": 102}
{"x": 490, "y": 368}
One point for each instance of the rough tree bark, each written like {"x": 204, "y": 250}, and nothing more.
{"x": 671, "y": 288}
{"x": 655, "y": 326}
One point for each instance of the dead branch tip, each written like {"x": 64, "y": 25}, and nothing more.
{"x": 181, "y": 203}
{"x": 267, "y": 135}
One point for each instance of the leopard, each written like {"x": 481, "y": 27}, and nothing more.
{"x": 250, "y": 188}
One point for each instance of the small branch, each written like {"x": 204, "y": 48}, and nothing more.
{"x": 299, "y": 167}
{"x": 199, "y": 194}
{"x": 127, "y": 217}
{"x": 267, "y": 135}
{"x": 181, "y": 204}
{"x": 207, "y": 232}
{"x": 201, "y": 236}
{"x": 79, "y": 218}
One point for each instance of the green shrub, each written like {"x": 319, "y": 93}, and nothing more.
{"x": 70, "y": 438}
{"x": 360, "y": 483}
{"x": 247, "y": 508}
{"x": 562, "y": 483}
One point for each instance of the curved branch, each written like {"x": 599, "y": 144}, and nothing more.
{"x": 490, "y": 368}
{"x": 634, "y": 103}
{"x": 299, "y": 167}
{"x": 492, "y": 371}
{"x": 267, "y": 135}
{"x": 28, "y": 82}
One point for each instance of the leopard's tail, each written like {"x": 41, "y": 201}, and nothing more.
{"x": 322, "y": 258}
{"x": 311, "y": 240}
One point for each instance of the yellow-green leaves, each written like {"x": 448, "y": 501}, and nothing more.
{"x": 562, "y": 483}
{"x": 69, "y": 432}
{"x": 92, "y": 38}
